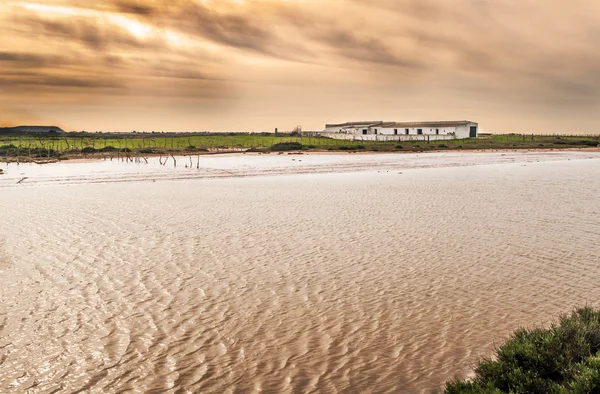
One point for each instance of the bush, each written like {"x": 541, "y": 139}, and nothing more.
{"x": 108, "y": 149}
{"x": 89, "y": 149}
{"x": 4, "y": 149}
{"x": 562, "y": 359}
{"x": 575, "y": 142}
{"x": 192, "y": 148}
{"x": 357, "y": 147}
{"x": 285, "y": 146}
{"x": 399, "y": 147}
{"x": 257, "y": 150}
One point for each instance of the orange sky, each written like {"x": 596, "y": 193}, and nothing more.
{"x": 529, "y": 66}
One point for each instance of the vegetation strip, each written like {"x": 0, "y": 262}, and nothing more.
{"x": 53, "y": 147}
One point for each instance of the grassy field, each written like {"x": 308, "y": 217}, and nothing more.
{"x": 72, "y": 144}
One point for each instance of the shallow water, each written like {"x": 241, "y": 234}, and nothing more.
{"x": 387, "y": 273}
{"x": 236, "y": 166}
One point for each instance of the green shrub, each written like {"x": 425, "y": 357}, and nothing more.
{"x": 285, "y": 146}
{"x": 4, "y": 149}
{"x": 562, "y": 359}
{"x": 576, "y": 142}
{"x": 257, "y": 150}
{"x": 356, "y": 147}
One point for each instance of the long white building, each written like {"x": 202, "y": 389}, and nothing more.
{"x": 401, "y": 131}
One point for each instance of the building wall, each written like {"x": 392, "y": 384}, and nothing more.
{"x": 465, "y": 131}
{"x": 434, "y": 133}
{"x": 345, "y": 129}
{"x": 414, "y": 130}
{"x": 333, "y": 129}
{"x": 386, "y": 137}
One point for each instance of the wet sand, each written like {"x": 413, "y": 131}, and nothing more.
{"x": 239, "y": 165}
{"x": 370, "y": 273}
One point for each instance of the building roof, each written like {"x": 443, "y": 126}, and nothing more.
{"x": 428, "y": 124}
{"x": 350, "y": 124}
{"x": 452, "y": 123}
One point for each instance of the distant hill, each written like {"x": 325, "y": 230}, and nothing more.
{"x": 31, "y": 129}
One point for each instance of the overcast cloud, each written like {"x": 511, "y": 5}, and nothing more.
{"x": 187, "y": 65}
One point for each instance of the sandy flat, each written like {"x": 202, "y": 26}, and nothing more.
{"x": 246, "y": 165}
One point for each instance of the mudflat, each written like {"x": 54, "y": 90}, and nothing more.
{"x": 370, "y": 273}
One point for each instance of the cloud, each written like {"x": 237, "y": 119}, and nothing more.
{"x": 130, "y": 7}
{"x": 508, "y": 53}
{"x": 27, "y": 60}
{"x": 88, "y": 31}
{"x": 21, "y": 80}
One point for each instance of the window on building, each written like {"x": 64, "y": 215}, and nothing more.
{"x": 396, "y": 131}
{"x": 375, "y": 131}
{"x": 407, "y": 131}
{"x": 420, "y": 131}
{"x": 365, "y": 131}
{"x": 437, "y": 131}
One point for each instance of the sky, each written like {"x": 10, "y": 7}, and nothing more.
{"x": 513, "y": 66}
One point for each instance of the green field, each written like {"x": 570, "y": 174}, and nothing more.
{"x": 71, "y": 144}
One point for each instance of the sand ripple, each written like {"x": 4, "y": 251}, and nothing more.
{"x": 359, "y": 282}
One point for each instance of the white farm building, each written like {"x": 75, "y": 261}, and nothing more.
{"x": 401, "y": 131}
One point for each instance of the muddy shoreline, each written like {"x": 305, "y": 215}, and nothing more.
{"x": 77, "y": 158}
